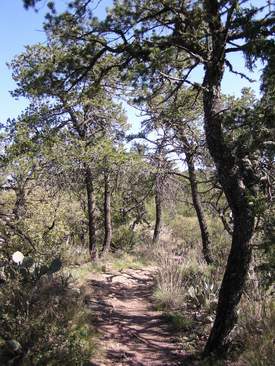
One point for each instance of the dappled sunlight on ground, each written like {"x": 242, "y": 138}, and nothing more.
{"x": 131, "y": 331}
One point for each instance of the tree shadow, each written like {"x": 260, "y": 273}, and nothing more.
{"x": 144, "y": 335}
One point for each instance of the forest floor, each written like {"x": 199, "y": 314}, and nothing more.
{"x": 131, "y": 332}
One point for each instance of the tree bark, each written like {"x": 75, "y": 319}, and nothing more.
{"x": 233, "y": 282}
{"x": 91, "y": 212}
{"x": 158, "y": 205}
{"x": 231, "y": 177}
{"x": 205, "y": 238}
{"x": 107, "y": 215}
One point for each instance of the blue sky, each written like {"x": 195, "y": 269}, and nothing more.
{"x": 19, "y": 27}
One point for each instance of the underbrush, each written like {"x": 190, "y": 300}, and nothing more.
{"x": 126, "y": 239}
{"x": 256, "y": 329}
{"x": 178, "y": 321}
{"x": 79, "y": 273}
{"x": 42, "y": 317}
{"x": 184, "y": 280}
{"x": 186, "y": 232}
{"x": 75, "y": 255}
{"x": 121, "y": 260}
{"x": 187, "y": 292}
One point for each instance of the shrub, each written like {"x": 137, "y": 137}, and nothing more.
{"x": 39, "y": 316}
{"x": 178, "y": 321}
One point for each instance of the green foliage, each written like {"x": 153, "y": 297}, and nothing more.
{"x": 73, "y": 123}
{"x": 121, "y": 261}
{"x": 178, "y": 321}
{"x": 38, "y": 316}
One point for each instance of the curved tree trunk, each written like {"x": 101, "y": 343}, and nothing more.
{"x": 91, "y": 213}
{"x": 158, "y": 205}
{"x": 231, "y": 175}
{"x": 206, "y": 243}
{"x": 231, "y": 178}
{"x": 233, "y": 282}
{"x": 107, "y": 215}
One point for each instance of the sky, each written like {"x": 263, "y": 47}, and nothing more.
{"x": 20, "y": 27}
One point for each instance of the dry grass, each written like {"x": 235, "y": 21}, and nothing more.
{"x": 256, "y": 329}
{"x": 169, "y": 292}
{"x": 186, "y": 285}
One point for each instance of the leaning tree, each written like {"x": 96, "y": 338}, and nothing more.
{"x": 155, "y": 41}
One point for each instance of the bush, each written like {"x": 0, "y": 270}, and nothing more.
{"x": 179, "y": 322}
{"x": 39, "y": 316}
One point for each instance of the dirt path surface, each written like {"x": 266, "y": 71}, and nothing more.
{"x": 131, "y": 332}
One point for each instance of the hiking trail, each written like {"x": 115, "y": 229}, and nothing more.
{"x": 131, "y": 331}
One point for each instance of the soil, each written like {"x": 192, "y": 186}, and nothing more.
{"x": 131, "y": 331}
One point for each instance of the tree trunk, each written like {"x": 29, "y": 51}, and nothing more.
{"x": 107, "y": 215}
{"x": 91, "y": 213}
{"x": 231, "y": 176}
{"x": 233, "y": 282}
{"x": 158, "y": 205}
{"x": 206, "y": 244}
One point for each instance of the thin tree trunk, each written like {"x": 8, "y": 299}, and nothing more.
{"x": 107, "y": 215}
{"x": 206, "y": 243}
{"x": 158, "y": 205}
{"x": 91, "y": 213}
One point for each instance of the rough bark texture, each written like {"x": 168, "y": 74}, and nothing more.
{"x": 91, "y": 213}
{"x": 206, "y": 244}
{"x": 107, "y": 215}
{"x": 158, "y": 205}
{"x": 231, "y": 178}
{"x": 233, "y": 281}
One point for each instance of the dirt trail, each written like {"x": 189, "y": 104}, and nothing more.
{"x": 132, "y": 333}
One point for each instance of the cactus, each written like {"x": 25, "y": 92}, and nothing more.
{"x": 42, "y": 270}
{"x": 55, "y": 266}
{"x": 13, "y": 346}
{"x": 27, "y": 262}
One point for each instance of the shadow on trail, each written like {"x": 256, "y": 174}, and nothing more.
{"x": 132, "y": 332}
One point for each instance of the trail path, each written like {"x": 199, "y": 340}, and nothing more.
{"x": 131, "y": 332}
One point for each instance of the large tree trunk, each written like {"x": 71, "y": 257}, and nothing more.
{"x": 91, "y": 213}
{"x": 206, "y": 244}
{"x": 234, "y": 280}
{"x": 158, "y": 205}
{"x": 107, "y": 215}
{"x": 231, "y": 176}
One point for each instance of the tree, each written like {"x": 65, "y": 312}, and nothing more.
{"x": 84, "y": 109}
{"x": 157, "y": 40}
{"x": 182, "y": 122}
{"x": 203, "y": 33}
